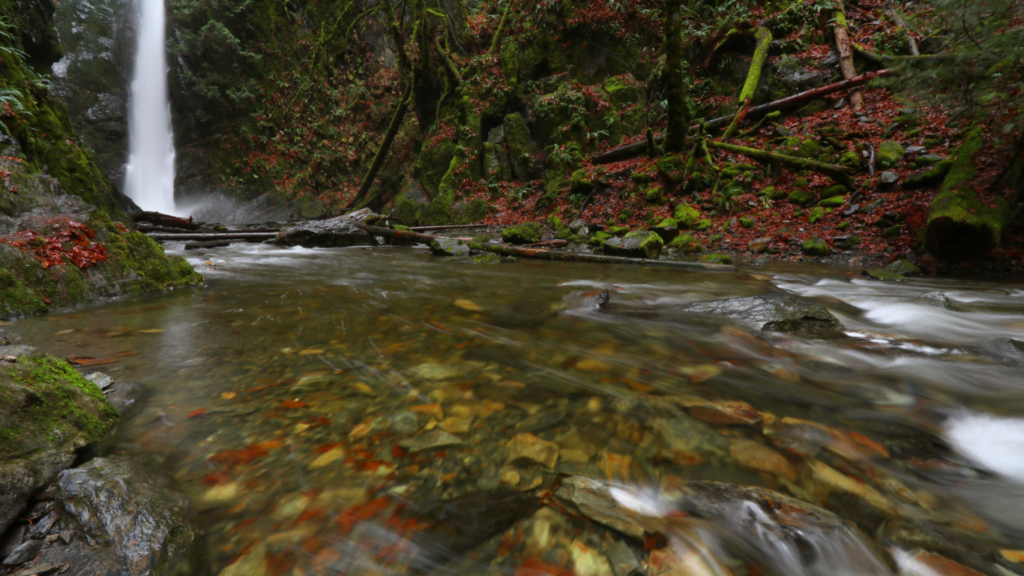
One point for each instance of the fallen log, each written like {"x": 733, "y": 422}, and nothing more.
{"x": 842, "y": 36}
{"x": 764, "y": 40}
{"x": 542, "y": 254}
{"x": 164, "y": 220}
{"x": 452, "y": 227}
{"x": 838, "y": 173}
{"x": 245, "y": 236}
{"x": 637, "y": 148}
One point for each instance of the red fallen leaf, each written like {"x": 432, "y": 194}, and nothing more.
{"x": 238, "y": 457}
{"x": 90, "y": 361}
{"x": 327, "y": 448}
{"x": 398, "y": 452}
{"x": 215, "y": 479}
{"x": 362, "y": 512}
{"x": 289, "y": 404}
{"x": 197, "y": 412}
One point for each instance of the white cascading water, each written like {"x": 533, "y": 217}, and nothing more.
{"x": 149, "y": 179}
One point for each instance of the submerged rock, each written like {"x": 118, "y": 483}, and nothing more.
{"x": 772, "y": 313}
{"x": 334, "y": 233}
{"x": 115, "y": 519}
{"x": 593, "y": 500}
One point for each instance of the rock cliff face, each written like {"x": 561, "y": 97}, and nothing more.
{"x": 94, "y": 75}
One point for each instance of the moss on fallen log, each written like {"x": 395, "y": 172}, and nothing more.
{"x": 960, "y": 226}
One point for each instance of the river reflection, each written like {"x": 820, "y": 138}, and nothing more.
{"x": 384, "y": 411}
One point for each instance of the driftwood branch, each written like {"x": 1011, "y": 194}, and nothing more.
{"x": 542, "y": 254}
{"x": 637, "y": 148}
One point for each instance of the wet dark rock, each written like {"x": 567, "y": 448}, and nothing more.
{"x": 26, "y": 551}
{"x": 910, "y": 535}
{"x": 623, "y": 560}
{"x": 898, "y": 270}
{"x": 593, "y": 500}
{"x": 846, "y": 242}
{"x": 334, "y": 233}
{"x": 759, "y": 245}
{"x": 853, "y": 209}
{"x": 100, "y": 379}
{"x": 772, "y": 313}
{"x": 205, "y": 245}
{"x": 448, "y": 247}
{"x": 125, "y": 397}
{"x": 888, "y": 180}
{"x": 935, "y": 299}
{"x": 120, "y": 521}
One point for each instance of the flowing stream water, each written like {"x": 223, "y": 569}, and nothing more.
{"x": 149, "y": 178}
{"x": 385, "y": 411}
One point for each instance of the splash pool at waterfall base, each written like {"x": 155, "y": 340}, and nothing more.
{"x": 384, "y": 411}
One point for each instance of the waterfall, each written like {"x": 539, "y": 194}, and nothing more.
{"x": 149, "y": 179}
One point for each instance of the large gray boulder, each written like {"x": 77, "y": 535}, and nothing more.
{"x": 772, "y": 313}
{"x": 334, "y": 233}
{"x": 116, "y": 519}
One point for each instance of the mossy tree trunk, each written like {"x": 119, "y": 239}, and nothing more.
{"x": 458, "y": 33}
{"x": 427, "y": 88}
{"x": 382, "y": 151}
{"x": 500, "y": 32}
{"x": 672, "y": 79}
{"x": 837, "y": 173}
{"x": 764, "y": 41}
{"x": 845, "y": 49}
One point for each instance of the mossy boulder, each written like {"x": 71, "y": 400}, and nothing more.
{"x": 617, "y": 230}
{"x": 815, "y": 215}
{"x": 636, "y": 244}
{"x": 687, "y": 244}
{"x": 889, "y": 154}
{"x": 448, "y": 247}
{"x": 702, "y": 225}
{"x": 48, "y": 412}
{"x": 801, "y": 198}
{"x": 580, "y": 182}
{"x": 833, "y": 202}
{"x": 815, "y": 247}
{"x": 527, "y": 233}
{"x": 850, "y": 159}
{"x": 833, "y": 191}
{"x": 716, "y": 259}
{"x": 806, "y": 148}
{"x": 655, "y": 195}
{"x": 960, "y": 226}
{"x": 685, "y": 215}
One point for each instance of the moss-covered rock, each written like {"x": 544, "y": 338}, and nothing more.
{"x": 702, "y": 225}
{"x": 889, "y": 154}
{"x": 814, "y": 247}
{"x": 815, "y": 215}
{"x": 527, "y": 233}
{"x": 636, "y": 244}
{"x": 655, "y": 195}
{"x": 959, "y": 225}
{"x": 687, "y": 244}
{"x": 448, "y": 247}
{"x": 580, "y": 182}
{"x": 685, "y": 215}
{"x": 928, "y": 177}
{"x": 801, "y": 198}
{"x": 716, "y": 259}
{"x": 833, "y": 191}
{"x": 833, "y": 202}
{"x": 850, "y": 159}
{"x": 48, "y": 411}
{"x": 521, "y": 148}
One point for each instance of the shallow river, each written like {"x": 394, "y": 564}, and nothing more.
{"x": 384, "y": 411}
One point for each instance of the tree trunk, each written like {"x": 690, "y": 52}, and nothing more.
{"x": 631, "y": 150}
{"x": 672, "y": 78}
{"x": 404, "y": 66}
{"x": 496, "y": 42}
{"x": 455, "y": 11}
{"x": 846, "y": 57}
{"x": 382, "y": 150}
{"x": 837, "y": 173}
{"x": 764, "y": 41}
